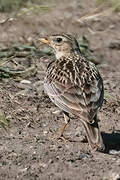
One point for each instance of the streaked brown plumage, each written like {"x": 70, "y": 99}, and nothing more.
{"x": 75, "y": 85}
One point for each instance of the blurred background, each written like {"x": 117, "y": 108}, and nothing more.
{"x": 28, "y": 119}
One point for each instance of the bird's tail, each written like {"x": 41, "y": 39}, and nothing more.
{"x": 94, "y": 136}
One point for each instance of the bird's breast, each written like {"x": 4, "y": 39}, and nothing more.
{"x": 62, "y": 71}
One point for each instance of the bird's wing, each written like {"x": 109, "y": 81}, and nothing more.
{"x": 80, "y": 98}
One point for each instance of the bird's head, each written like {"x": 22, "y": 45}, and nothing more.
{"x": 63, "y": 45}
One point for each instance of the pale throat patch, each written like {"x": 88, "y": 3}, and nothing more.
{"x": 59, "y": 54}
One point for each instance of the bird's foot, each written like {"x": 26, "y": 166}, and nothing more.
{"x": 97, "y": 147}
{"x": 83, "y": 139}
{"x": 63, "y": 138}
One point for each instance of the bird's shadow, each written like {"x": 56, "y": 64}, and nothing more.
{"x": 111, "y": 141}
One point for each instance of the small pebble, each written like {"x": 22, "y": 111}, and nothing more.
{"x": 117, "y": 110}
{"x": 45, "y": 132}
{"x": 23, "y": 170}
{"x": 24, "y": 81}
{"x": 114, "y": 152}
{"x": 56, "y": 112}
{"x": 112, "y": 176}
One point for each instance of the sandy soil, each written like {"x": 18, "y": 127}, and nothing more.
{"x": 29, "y": 150}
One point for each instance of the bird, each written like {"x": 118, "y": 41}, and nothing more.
{"x": 75, "y": 85}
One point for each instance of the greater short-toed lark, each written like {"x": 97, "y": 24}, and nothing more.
{"x": 74, "y": 84}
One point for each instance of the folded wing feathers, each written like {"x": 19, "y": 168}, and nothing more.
{"x": 81, "y": 95}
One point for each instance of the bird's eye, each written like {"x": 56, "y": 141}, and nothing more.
{"x": 59, "y": 40}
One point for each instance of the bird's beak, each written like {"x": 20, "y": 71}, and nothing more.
{"x": 44, "y": 40}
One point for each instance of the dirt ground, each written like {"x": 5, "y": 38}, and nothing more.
{"x": 29, "y": 150}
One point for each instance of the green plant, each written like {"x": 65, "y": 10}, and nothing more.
{"x": 114, "y": 3}
{"x": 15, "y": 5}
{"x": 4, "y": 122}
{"x": 9, "y": 5}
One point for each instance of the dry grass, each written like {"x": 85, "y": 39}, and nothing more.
{"x": 113, "y": 3}
{"x": 15, "y": 5}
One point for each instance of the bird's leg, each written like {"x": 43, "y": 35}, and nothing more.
{"x": 67, "y": 120}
